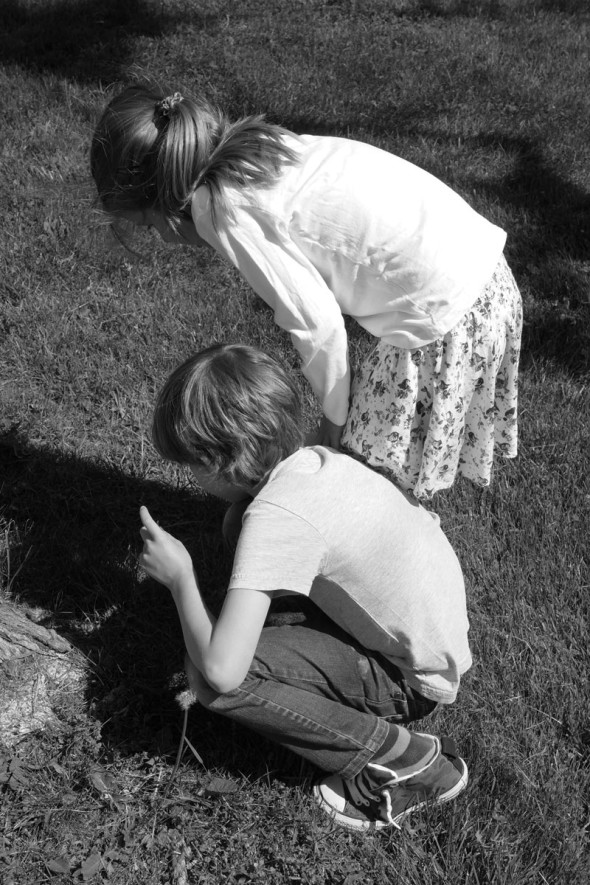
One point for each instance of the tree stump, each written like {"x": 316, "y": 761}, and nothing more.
{"x": 36, "y": 666}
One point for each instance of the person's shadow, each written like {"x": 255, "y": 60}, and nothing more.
{"x": 73, "y": 531}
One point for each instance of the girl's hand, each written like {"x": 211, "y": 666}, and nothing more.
{"x": 327, "y": 434}
{"x": 163, "y": 557}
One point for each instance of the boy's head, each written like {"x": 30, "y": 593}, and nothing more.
{"x": 232, "y": 410}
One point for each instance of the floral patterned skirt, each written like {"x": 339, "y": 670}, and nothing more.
{"x": 423, "y": 416}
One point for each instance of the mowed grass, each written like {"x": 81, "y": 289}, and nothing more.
{"x": 493, "y": 98}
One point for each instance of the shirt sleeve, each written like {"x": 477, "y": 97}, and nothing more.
{"x": 304, "y": 306}
{"x": 269, "y": 552}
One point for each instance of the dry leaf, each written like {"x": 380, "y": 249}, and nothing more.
{"x": 12, "y": 772}
{"x": 219, "y": 785}
{"x": 90, "y": 866}
{"x": 102, "y": 780}
{"x": 59, "y": 865}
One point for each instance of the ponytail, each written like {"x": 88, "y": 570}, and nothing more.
{"x": 150, "y": 151}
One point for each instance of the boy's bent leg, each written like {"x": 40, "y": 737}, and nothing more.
{"x": 315, "y": 692}
{"x": 322, "y": 658}
{"x": 332, "y": 736}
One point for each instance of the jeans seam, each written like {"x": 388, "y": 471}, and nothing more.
{"x": 296, "y": 681}
{"x": 362, "y": 753}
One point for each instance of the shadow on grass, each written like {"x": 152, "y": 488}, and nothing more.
{"x": 85, "y": 40}
{"x": 547, "y": 250}
{"x": 494, "y": 9}
{"x": 73, "y": 531}
{"x": 558, "y": 210}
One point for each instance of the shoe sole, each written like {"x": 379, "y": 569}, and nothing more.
{"x": 355, "y": 824}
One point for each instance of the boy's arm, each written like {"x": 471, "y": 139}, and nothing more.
{"x": 221, "y": 649}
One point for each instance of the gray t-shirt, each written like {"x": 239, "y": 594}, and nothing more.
{"x": 375, "y": 561}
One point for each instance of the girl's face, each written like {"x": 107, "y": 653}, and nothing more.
{"x": 184, "y": 235}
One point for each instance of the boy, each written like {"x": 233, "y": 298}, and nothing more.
{"x": 393, "y": 643}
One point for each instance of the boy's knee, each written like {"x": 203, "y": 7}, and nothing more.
{"x": 201, "y": 689}
{"x": 206, "y": 696}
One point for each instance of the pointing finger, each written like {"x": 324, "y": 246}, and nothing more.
{"x": 147, "y": 519}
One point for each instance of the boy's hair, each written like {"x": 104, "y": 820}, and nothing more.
{"x": 232, "y": 409}
{"x": 153, "y": 152}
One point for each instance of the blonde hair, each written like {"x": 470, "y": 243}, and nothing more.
{"x": 153, "y": 152}
{"x": 232, "y": 409}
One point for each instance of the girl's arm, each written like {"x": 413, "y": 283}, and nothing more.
{"x": 221, "y": 649}
{"x": 326, "y": 434}
{"x": 303, "y": 304}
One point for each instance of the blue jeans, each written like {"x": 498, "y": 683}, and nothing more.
{"x": 313, "y": 689}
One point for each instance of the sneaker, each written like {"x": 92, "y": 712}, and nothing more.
{"x": 378, "y": 798}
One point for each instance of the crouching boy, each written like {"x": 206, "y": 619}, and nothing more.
{"x": 391, "y": 642}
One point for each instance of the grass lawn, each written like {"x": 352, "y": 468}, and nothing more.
{"x": 493, "y": 97}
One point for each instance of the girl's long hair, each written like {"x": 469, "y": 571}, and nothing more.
{"x": 146, "y": 156}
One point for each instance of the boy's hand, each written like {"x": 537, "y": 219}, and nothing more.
{"x": 163, "y": 557}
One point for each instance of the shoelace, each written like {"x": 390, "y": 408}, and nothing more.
{"x": 360, "y": 794}
{"x": 358, "y": 791}
{"x": 363, "y": 791}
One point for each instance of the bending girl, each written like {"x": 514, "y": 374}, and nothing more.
{"x": 321, "y": 227}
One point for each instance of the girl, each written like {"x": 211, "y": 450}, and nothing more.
{"x": 321, "y": 227}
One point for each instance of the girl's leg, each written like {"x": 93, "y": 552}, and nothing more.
{"x": 314, "y": 691}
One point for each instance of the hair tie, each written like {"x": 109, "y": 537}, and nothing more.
{"x": 166, "y": 107}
